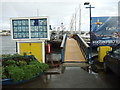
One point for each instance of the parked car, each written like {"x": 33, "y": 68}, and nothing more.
{"x": 112, "y": 61}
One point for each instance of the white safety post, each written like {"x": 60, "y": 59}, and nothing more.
{"x": 43, "y": 52}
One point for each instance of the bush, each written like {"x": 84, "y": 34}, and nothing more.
{"x": 10, "y": 62}
{"x": 0, "y": 63}
{"x": 15, "y": 73}
{"x": 21, "y": 63}
{"x": 6, "y": 55}
{"x": 4, "y": 76}
{"x": 30, "y": 71}
{"x": 21, "y": 69}
{"x": 26, "y": 72}
{"x": 39, "y": 65}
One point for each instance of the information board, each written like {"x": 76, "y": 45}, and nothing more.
{"x": 105, "y": 31}
{"x": 20, "y": 29}
{"x": 30, "y": 28}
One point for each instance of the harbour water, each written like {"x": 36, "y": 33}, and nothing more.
{"x": 7, "y": 45}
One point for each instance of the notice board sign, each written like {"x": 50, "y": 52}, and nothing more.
{"x": 105, "y": 31}
{"x": 30, "y": 28}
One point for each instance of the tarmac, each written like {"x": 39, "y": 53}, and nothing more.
{"x": 71, "y": 75}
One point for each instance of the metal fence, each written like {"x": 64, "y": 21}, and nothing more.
{"x": 83, "y": 46}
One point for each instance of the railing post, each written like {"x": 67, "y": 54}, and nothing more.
{"x": 63, "y": 45}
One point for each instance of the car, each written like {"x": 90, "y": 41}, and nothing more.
{"x": 112, "y": 61}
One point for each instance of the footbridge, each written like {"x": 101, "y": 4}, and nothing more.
{"x": 74, "y": 49}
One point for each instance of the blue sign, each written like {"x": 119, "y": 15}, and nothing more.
{"x": 105, "y": 31}
{"x": 38, "y": 28}
{"x": 29, "y": 28}
{"x": 20, "y": 29}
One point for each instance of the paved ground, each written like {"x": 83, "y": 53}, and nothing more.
{"x": 72, "y": 77}
{"x": 75, "y": 77}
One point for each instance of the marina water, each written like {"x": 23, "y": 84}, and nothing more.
{"x": 7, "y": 45}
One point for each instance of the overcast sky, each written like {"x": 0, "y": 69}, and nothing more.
{"x": 57, "y": 10}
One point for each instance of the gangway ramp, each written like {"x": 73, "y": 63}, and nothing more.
{"x": 73, "y": 52}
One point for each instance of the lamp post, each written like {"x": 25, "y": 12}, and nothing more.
{"x": 90, "y": 52}
{"x": 62, "y": 27}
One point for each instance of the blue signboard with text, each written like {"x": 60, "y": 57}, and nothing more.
{"x": 105, "y": 31}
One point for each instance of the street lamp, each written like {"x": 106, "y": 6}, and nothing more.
{"x": 62, "y": 27}
{"x": 90, "y": 53}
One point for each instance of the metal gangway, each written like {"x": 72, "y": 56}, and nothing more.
{"x": 74, "y": 49}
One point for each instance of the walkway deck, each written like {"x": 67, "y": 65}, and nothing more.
{"x": 73, "y": 52}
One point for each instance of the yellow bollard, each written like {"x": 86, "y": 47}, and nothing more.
{"x": 102, "y": 52}
{"x": 71, "y": 35}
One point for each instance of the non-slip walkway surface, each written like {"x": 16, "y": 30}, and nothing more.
{"x": 73, "y": 52}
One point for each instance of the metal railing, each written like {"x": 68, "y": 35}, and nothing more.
{"x": 83, "y": 46}
{"x": 63, "y": 45}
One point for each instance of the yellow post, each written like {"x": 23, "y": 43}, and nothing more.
{"x": 31, "y": 48}
{"x": 102, "y": 52}
{"x": 71, "y": 36}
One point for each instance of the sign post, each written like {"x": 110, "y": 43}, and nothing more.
{"x": 31, "y": 33}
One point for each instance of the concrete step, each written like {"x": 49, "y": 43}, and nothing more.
{"x": 56, "y": 70}
{"x": 75, "y": 64}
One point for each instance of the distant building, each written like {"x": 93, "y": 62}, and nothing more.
{"x": 5, "y": 33}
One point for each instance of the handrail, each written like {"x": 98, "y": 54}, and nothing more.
{"x": 83, "y": 46}
{"x": 63, "y": 44}
{"x": 63, "y": 41}
{"x": 83, "y": 41}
